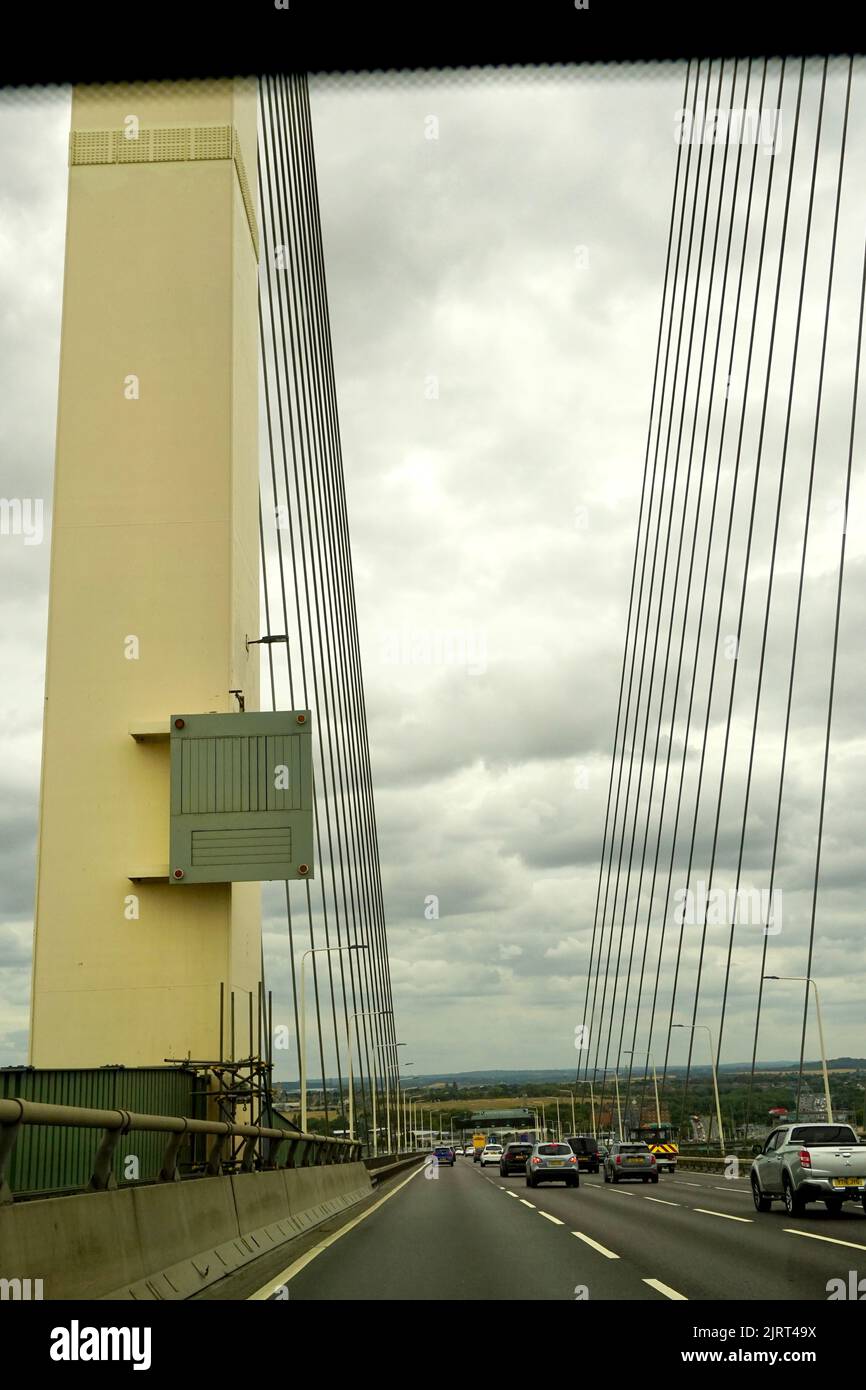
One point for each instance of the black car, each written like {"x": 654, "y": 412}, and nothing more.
{"x": 585, "y": 1148}
{"x": 514, "y": 1158}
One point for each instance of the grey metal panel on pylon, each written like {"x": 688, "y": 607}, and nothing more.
{"x": 241, "y": 797}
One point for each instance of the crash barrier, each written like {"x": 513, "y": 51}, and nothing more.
{"x": 168, "y": 1239}
{"x": 716, "y": 1164}
{"x": 263, "y": 1147}
{"x": 380, "y": 1168}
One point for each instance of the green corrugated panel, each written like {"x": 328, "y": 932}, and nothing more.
{"x": 49, "y": 1159}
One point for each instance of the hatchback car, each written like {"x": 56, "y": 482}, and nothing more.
{"x": 443, "y": 1154}
{"x": 627, "y": 1161}
{"x": 513, "y": 1159}
{"x": 492, "y": 1153}
{"x": 552, "y": 1162}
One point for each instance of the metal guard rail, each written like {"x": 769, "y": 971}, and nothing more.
{"x": 305, "y": 1150}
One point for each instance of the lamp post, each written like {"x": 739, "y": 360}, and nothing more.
{"x": 807, "y": 979}
{"x": 573, "y": 1121}
{"x": 313, "y": 951}
{"x": 388, "y": 1047}
{"x": 360, "y": 1013}
{"x": 406, "y": 1109}
{"x": 655, "y": 1084}
{"x": 592, "y": 1106}
{"x": 604, "y": 1071}
{"x": 691, "y": 1027}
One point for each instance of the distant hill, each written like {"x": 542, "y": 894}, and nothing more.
{"x": 465, "y": 1080}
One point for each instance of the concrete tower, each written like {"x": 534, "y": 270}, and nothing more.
{"x": 154, "y": 568}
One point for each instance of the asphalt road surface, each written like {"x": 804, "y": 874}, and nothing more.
{"x": 470, "y": 1234}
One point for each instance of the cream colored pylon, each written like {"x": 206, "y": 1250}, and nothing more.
{"x": 154, "y": 570}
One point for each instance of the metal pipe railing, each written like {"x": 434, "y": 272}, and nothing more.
{"x": 304, "y": 1149}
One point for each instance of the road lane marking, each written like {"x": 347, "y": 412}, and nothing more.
{"x": 614, "y": 1188}
{"x": 666, "y": 1290}
{"x": 731, "y": 1189}
{"x": 661, "y": 1201}
{"x": 510, "y": 1193}
{"x": 602, "y": 1249}
{"x": 295, "y": 1268}
{"x": 555, "y": 1219}
{"x": 724, "y": 1215}
{"x": 524, "y": 1203}
{"x": 831, "y": 1240}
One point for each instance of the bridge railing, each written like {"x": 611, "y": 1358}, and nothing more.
{"x": 302, "y": 1150}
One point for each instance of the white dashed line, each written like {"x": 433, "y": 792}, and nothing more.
{"x": 662, "y": 1201}
{"x": 524, "y": 1203}
{"x": 602, "y": 1249}
{"x": 666, "y": 1290}
{"x": 731, "y": 1189}
{"x": 511, "y": 1194}
{"x": 724, "y": 1215}
{"x": 614, "y": 1188}
{"x": 831, "y": 1240}
{"x": 555, "y": 1219}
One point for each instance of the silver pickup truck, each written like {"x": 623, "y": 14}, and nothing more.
{"x": 810, "y": 1163}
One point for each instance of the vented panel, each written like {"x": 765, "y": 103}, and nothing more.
{"x": 165, "y": 144}
{"x": 241, "y": 797}
{"x": 240, "y": 846}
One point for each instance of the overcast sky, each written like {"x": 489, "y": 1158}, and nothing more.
{"x": 495, "y": 294}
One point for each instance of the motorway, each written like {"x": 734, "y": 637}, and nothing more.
{"x": 469, "y": 1234}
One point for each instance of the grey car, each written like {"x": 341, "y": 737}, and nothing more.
{"x": 625, "y": 1162}
{"x": 552, "y": 1162}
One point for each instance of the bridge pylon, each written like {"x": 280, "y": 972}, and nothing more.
{"x": 154, "y": 584}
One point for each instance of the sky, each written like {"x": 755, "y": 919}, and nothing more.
{"x": 495, "y": 251}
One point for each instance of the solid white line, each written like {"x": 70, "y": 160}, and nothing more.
{"x": 666, "y": 1290}
{"x": 526, "y": 1204}
{"x": 295, "y": 1268}
{"x": 555, "y": 1219}
{"x": 831, "y": 1240}
{"x": 602, "y": 1249}
{"x": 662, "y": 1202}
{"x": 724, "y": 1215}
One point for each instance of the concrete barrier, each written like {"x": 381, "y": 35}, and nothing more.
{"x": 168, "y": 1241}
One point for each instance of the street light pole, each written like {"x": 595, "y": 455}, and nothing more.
{"x": 615, "y": 1073}
{"x": 807, "y": 979}
{"x": 360, "y": 1013}
{"x": 388, "y": 1047}
{"x": 592, "y": 1109}
{"x": 302, "y": 1060}
{"x": 630, "y": 1053}
{"x": 705, "y": 1029}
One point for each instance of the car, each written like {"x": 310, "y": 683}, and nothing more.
{"x": 627, "y": 1161}
{"x": 585, "y": 1149}
{"x": 491, "y": 1153}
{"x": 803, "y": 1163}
{"x": 513, "y": 1158}
{"x": 443, "y": 1154}
{"x": 551, "y": 1161}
